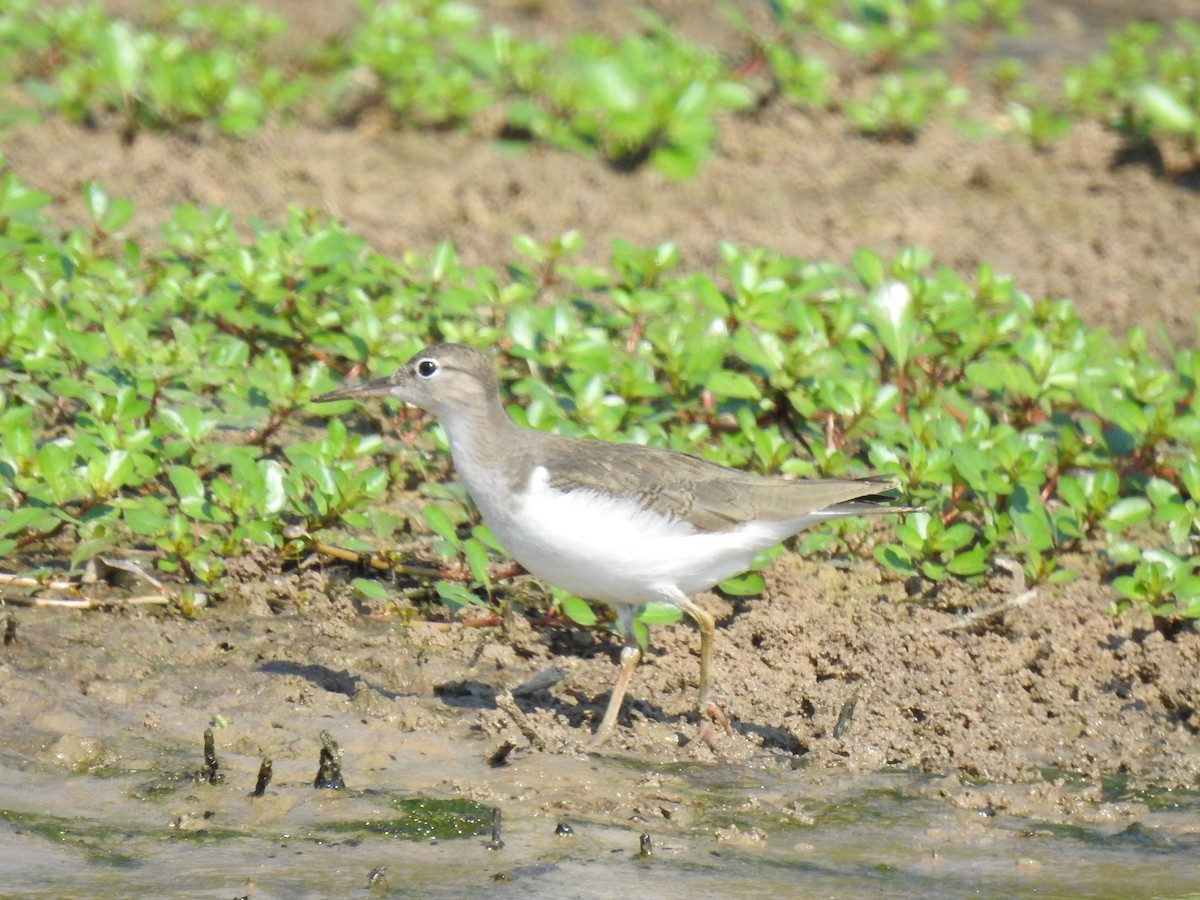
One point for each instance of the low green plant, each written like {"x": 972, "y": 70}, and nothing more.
{"x": 888, "y": 33}
{"x": 647, "y": 97}
{"x": 1039, "y": 124}
{"x": 803, "y": 79}
{"x": 144, "y": 449}
{"x": 987, "y": 19}
{"x": 1145, "y": 86}
{"x": 644, "y": 98}
{"x": 429, "y": 60}
{"x": 903, "y": 102}
{"x": 1164, "y": 579}
{"x": 471, "y": 551}
{"x": 873, "y": 60}
{"x": 194, "y": 65}
{"x": 1162, "y": 583}
{"x": 159, "y": 397}
{"x": 880, "y": 35}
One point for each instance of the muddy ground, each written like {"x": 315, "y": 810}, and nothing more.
{"x": 1048, "y": 702}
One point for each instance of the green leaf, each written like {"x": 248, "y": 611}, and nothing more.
{"x": 932, "y": 570}
{"x": 733, "y": 386}
{"x": 484, "y": 535}
{"x": 892, "y": 312}
{"x": 613, "y": 86}
{"x": 329, "y": 247}
{"x": 477, "y": 560}
{"x": 641, "y": 634}
{"x": 456, "y": 596}
{"x": 145, "y": 521}
{"x": 121, "y": 56}
{"x": 187, "y": 484}
{"x": 1072, "y": 492}
{"x": 1165, "y": 109}
{"x": 529, "y": 248}
{"x": 679, "y": 163}
{"x": 439, "y": 523}
{"x": 972, "y": 562}
{"x": 895, "y": 558}
{"x": 1060, "y": 576}
{"x": 1129, "y": 587}
{"x": 55, "y": 469}
{"x": 748, "y": 585}
{"x": 30, "y": 519}
{"x": 577, "y": 610}
{"x": 275, "y": 498}
{"x": 869, "y": 267}
{"x": 444, "y": 259}
{"x": 659, "y": 614}
{"x": 1126, "y": 512}
{"x": 96, "y": 198}
{"x": 192, "y": 499}
{"x": 369, "y": 588}
{"x": 971, "y": 463}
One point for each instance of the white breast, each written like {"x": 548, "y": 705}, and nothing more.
{"x": 608, "y": 548}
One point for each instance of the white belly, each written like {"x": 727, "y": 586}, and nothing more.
{"x": 609, "y": 549}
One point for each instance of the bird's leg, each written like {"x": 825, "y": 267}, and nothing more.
{"x": 707, "y": 625}
{"x": 630, "y": 654}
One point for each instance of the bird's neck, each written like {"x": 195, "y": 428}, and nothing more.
{"x": 480, "y": 438}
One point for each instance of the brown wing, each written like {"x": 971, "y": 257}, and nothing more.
{"x": 708, "y": 496}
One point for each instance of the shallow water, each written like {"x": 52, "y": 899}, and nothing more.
{"x": 102, "y": 727}
{"x": 733, "y": 831}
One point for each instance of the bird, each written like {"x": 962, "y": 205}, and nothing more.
{"x": 622, "y": 524}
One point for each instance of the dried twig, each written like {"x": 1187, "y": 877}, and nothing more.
{"x": 375, "y": 561}
{"x": 53, "y": 584}
{"x": 1021, "y": 596}
{"x": 89, "y": 603}
{"x": 506, "y": 702}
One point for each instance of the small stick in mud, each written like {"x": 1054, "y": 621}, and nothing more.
{"x": 377, "y": 879}
{"x": 1020, "y": 596}
{"x": 506, "y": 702}
{"x": 264, "y": 778}
{"x": 645, "y": 847}
{"x": 10, "y": 630}
{"x": 499, "y": 756}
{"x": 376, "y": 561}
{"x": 495, "y": 843}
{"x": 845, "y": 716}
{"x": 329, "y": 772}
{"x": 210, "y": 770}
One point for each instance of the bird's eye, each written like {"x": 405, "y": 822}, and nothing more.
{"x": 427, "y": 368}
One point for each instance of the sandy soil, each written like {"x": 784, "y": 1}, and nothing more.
{"x": 1046, "y": 691}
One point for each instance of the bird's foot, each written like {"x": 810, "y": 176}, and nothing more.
{"x": 715, "y": 713}
{"x": 710, "y": 713}
{"x": 600, "y": 738}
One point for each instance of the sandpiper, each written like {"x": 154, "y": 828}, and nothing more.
{"x": 624, "y": 524}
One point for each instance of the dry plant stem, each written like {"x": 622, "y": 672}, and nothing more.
{"x": 84, "y": 603}
{"x": 506, "y": 702}
{"x": 54, "y": 584}
{"x": 1021, "y": 596}
{"x": 76, "y": 601}
{"x": 376, "y": 561}
{"x": 975, "y": 618}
